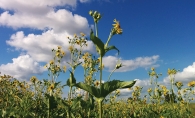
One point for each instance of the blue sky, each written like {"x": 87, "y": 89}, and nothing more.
{"x": 158, "y": 33}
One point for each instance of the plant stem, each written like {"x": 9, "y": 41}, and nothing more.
{"x": 48, "y": 113}
{"x": 96, "y": 29}
{"x": 100, "y": 72}
{"x": 100, "y": 108}
{"x": 108, "y": 40}
{"x": 111, "y": 74}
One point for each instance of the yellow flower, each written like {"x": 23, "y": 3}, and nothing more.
{"x": 45, "y": 66}
{"x": 152, "y": 68}
{"x": 82, "y": 34}
{"x": 88, "y": 78}
{"x": 64, "y": 68}
{"x": 75, "y": 35}
{"x": 33, "y": 79}
{"x": 90, "y": 12}
{"x": 57, "y": 54}
{"x": 78, "y": 42}
{"x": 116, "y": 27}
{"x": 51, "y": 87}
{"x": 51, "y": 62}
{"x": 86, "y": 55}
{"x": 179, "y": 84}
{"x": 191, "y": 84}
{"x": 63, "y": 53}
{"x": 137, "y": 88}
{"x": 117, "y": 91}
{"x": 70, "y": 48}
{"x": 59, "y": 47}
{"x": 149, "y": 90}
{"x": 57, "y": 68}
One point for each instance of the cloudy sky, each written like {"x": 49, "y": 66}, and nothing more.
{"x": 156, "y": 33}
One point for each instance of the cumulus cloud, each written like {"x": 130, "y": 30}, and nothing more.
{"x": 42, "y": 15}
{"x": 185, "y": 76}
{"x": 144, "y": 62}
{"x": 84, "y": 1}
{"x": 39, "y": 46}
{"x": 55, "y": 24}
{"x": 22, "y": 67}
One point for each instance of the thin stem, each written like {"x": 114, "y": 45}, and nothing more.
{"x": 110, "y": 36}
{"x": 100, "y": 72}
{"x": 111, "y": 74}
{"x": 96, "y": 29}
{"x": 48, "y": 112}
{"x": 100, "y": 101}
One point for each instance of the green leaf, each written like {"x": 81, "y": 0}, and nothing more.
{"x": 91, "y": 89}
{"x": 98, "y": 43}
{"x": 106, "y": 88}
{"x": 71, "y": 81}
{"x": 110, "y": 86}
{"x": 111, "y": 48}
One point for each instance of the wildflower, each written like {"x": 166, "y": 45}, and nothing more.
{"x": 77, "y": 42}
{"x": 152, "y": 68}
{"x": 116, "y": 27}
{"x": 88, "y": 78}
{"x": 64, "y": 68}
{"x": 33, "y": 79}
{"x": 179, "y": 85}
{"x": 82, "y": 34}
{"x": 57, "y": 54}
{"x": 75, "y": 35}
{"x": 70, "y": 48}
{"x": 118, "y": 66}
{"x": 90, "y": 13}
{"x": 117, "y": 91}
{"x": 51, "y": 62}
{"x": 153, "y": 73}
{"x": 57, "y": 68}
{"x": 101, "y": 67}
{"x": 149, "y": 90}
{"x": 191, "y": 84}
{"x": 51, "y": 87}
{"x": 137, "y": 88}
{"x": 172, "y": 72}
{"x": 86, "y": 55}
{"x": 45, "y": 66}
{"x": 63, "y": 53}
{"x": 59, "y": 47}
{"x": 97, "y": 83}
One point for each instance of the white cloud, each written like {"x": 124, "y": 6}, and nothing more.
{"x": 22, "y": 67}
{"x": 144, "y": 62}
{"x": 84, "y": 1}
{"x": 42, "y": 15}
{"x": 185, "y": 76}
{"x": 39, "y": 46}
{"x": 34, "y": 5}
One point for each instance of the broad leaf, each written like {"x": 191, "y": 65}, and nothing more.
{"x": 98, "y": 43}
{"x": 110, "y": 86}
{"x": 71, "y": 81}
{"x": 91, "y": 89}
{"x": 106, "y": 88}
{"x": 111, "y": 48}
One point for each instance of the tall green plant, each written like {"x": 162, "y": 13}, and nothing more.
{"x": 104, "y": 88}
